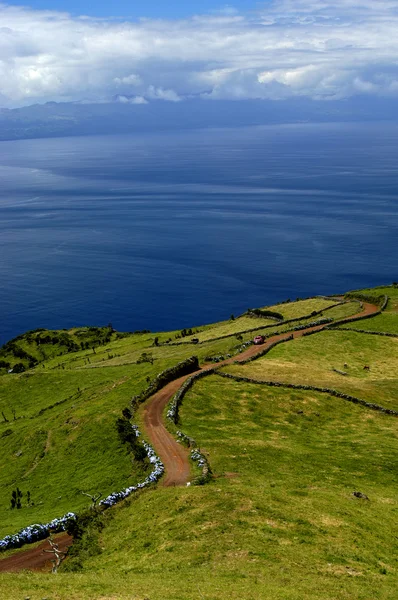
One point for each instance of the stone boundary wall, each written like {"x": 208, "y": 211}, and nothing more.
{"x": 312, "y": 388}
{"x": 382, "y": 333}
{"x": 385, "y": 303}
{"x": 198, "y": 457}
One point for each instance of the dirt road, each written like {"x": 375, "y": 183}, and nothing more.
{"x": 35, "y": 559}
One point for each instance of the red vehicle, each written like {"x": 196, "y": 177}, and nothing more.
{"x": 259, "y": 339}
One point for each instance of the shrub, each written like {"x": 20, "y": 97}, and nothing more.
{"x": 183, "y": 368}
{"x": 128, "y": 436}
{"x": 258, "y": 312}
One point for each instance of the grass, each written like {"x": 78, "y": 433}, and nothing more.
{"x": 66, "y": 449}
{"x": 294, "y": 310}
{"x": 34, "y": 347}
{"x": 311, "y": 360}
{"x": 278, "y": 521}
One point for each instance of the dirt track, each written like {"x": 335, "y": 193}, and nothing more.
{"x": 34, "y": 559}
{"x": 173, "y": 455}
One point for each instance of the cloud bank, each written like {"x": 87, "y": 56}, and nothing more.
{"x": 315, "y": 48}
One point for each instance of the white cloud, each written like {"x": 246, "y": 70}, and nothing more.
{"x": 131, "y": 100}
{"x": 317, "y": 48}
{"x": 138, "y": 100}
{"x": 161, "y": 94}
{"x": 131, "y": 79}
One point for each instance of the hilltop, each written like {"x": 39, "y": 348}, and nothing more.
{"x": 281, "y": 441}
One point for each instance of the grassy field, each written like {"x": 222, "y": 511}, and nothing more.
{"x": 294, "y": 310}
{"x": 278, "y": 521}
{"x": 57, "y": 452}
{"x": 311, "y": 360}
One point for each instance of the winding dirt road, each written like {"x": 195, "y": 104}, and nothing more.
{"x": 173, "y": 455}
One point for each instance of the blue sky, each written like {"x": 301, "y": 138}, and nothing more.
{"x": 137, "y": 8}
{"x": 279, "y": 49}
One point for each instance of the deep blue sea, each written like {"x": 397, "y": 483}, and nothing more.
{"x": 177, "y": 229}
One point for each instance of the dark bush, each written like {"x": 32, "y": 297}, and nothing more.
{"x": 258, "y": 312}
{"x": 128, "y": 436}
{"x": 183, "y": 368}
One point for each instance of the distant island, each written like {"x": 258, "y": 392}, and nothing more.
{"x": 59, "y": 119}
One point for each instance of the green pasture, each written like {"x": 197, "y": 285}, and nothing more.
{"x": 301, "y": 308}
{"x": 279, "y": 520}
{"x": 57, "y": 451}
{"x": 311, "y": 360}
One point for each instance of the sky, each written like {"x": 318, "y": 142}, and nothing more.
{"x": 138, "y": 8}
{"x": 141, "y": 52}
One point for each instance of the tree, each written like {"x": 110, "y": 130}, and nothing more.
{"x": 16, "y": 497}
{"x": 145, "y": 357}
{"x": 128, "y": 436}
{"x": 58, "y": 555}
{"x": 94, "y": 499}
{"x": 126, "y": 412}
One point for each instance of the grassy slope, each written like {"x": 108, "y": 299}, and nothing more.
{"x": 293, "y": 310}
{"x": 37, "y": 346}
{"x": 269, "y": 326}
{"x": 66, "y": 449}
{"x": 279, "y": 521}
{"x": 310, "y": 360}
{"x": 273, "y": 531}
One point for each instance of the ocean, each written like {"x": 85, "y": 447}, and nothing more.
{"x": 176, "y": 229}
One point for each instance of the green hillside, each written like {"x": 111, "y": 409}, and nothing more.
{"x": 278, "y": 518}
